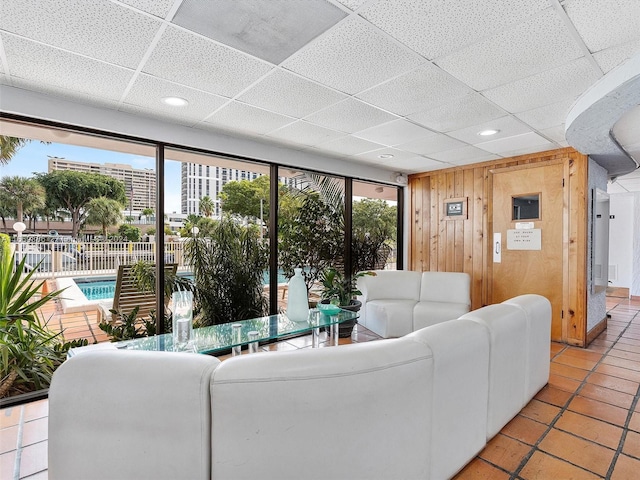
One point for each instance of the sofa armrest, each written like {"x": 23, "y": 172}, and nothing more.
{"x": 131, "y": 415}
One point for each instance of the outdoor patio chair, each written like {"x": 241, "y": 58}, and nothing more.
{"x": 127, "y": 295}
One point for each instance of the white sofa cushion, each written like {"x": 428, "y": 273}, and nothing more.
{"x": 356, "y": 411}
{"x": 507, "y": 329}
{"x": 396, "y": 284}
{"x": 460, "y": 389}
{"x": 130, "y": 414}
{"x": 389, "y": 317}
{"x": 537, "y": 310}
{"x": 430, "y": 313}
{"x": 451, "y": 287}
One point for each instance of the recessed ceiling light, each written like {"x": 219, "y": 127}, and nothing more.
{"x": 486, "y": 133}
{"x": 175, "y": 101}
{"x": 385, "y": 155}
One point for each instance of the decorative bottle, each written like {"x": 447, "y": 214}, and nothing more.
{"x": 298, "y": 300}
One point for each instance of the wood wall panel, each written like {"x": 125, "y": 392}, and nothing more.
{"x": 438, "y": 243}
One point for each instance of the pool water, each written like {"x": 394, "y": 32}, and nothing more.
{"x": 105, "y": 289}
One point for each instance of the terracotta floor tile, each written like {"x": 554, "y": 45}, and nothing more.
{"x": 544, "y": 467}
{"x": 36, "y": 410}
{"x": 627, "y": 348}
{"x": 626, "y": 468}
{"x": 590, "y": 429}
{"x": 44, "y": 475}
{"x": 578, "y": 451}
{"x": 540, "y": 412}
{"x": 554, "y": 396}
{"x": 478, "y": 469}
{"x": 607, "y": 395}
{"x": 8, "y": 439}
{"x": 634, "y": 423}
{"x": 568, "y": 371}
{"x": 599, "y": 410}
{"x": 582, "y": 353}
{"x": 524, "y": 429}
{"x": 614, "y": 383}
{"x": 622, "y": 362}
{"x": 574, "y": 361}
{"x": 626, "y": 355}
{"x": 632, "y": 444}
{"x": 7, "y": 462}
{"x": 35, "y": 431}
{"x": 505, "y": 452}
{"x": 618, "y": 372}
{"x": 34, "y": 459}
{"x": 598, "y": 348}
{"x": 9, "y": 416}
{"x": 557, "y": 347}
{"x": 564, "y": 383}
{"x": 626, "y": 340}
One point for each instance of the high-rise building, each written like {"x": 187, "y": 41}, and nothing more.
{"x": 139, "y": 184}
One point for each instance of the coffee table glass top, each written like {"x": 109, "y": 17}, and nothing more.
{"x": 220, "y": 337}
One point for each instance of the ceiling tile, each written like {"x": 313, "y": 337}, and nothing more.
{"x": 241, "y": 117}
{"x": 610, "y": 58}
{"x": 434, "y": 28}
{"x": 200, "y": 63}
{"x": 271, "y": 30}
{"x": 394, "y": 133}
{"x": 616, "y": 188}
{"x": 102, "y": 30}
{"x": 303, "y": 133}
{"x": 540, "y": 43}
{"x": 543, "y": 147}
{"x": 506, "y": 126}
{"x": 353, "y": 4}
{"x": 419, "y": 164}
{"x": 351, "y": 57}
{"x": 53, "y": 70}
{"x": 604, "y": 24}
{"x": 159, "y": 8}
{"x": 289, "y": 94}
{"x": 171, "y": 117}
{"x": 555, "y": 133}
{"x": 348, "y": 145}
{"x": 515, "y": 142}
{"x": 463, "y": 155}
{"x": 415, "y": 91}
{"x": 431, "y": 143}
{"x": 565, "y": 82}
{"x": 466, "y": 111}
{"x": 148, "y": 92}
{"x": 547, "y": 116}
{"x": 350, "y": 116}
{"x": 374, "y": 155}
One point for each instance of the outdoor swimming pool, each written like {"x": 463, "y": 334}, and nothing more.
{"x": 104, "y": 288}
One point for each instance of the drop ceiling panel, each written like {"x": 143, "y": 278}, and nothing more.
{"x": 506, "y": 126}
{"x": 616, "y": 188}
{"x": 351, "y": 57}
{"x": 102, "y": 30}
{"x": 419, "y": 164}
{"x": 540, "y": 43}
{"x": 247, "y": 119}
{"x": 147, "y": 92}
{"x": 555, "y": 133}
{"x": 415, "y": 91}
{"x": 173, "y": 117}
{"x": 271, "y": 31}
{"x": 353, "y": 4}
{"x": 430, "y": 143}
{"x": 159, "y": 8}
{"x": 464, "y": 112}
{"x": 348, "y": 145}
{"x": 303, "y": 133}
{"x": 49, "y": 69}
{"x": 350, "y": 116}
{"x": 543, "y": 147}
{"x": 464, "y": 155}
{"x": 288, "y": 94}
{"x": 548, "y": 115}
{"x": 392, "y": 133}
{"x": 610, "y": 58}
{"x": 180, "y": 57}
{"x": 565, "y": 82}
{"x": 515, "y": 142}
{"x": 434, "y": 29}
{"x": 374, "y": 156}
{"x": 605, "y": 24}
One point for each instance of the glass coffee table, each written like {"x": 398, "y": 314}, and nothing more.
{"x": 219, "y": 338}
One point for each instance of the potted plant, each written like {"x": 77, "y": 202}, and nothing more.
{"x": 341, "y": 291}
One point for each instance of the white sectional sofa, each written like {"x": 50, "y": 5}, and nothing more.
{"x": 398, "y": 302}
{"x": 416, "y": 407}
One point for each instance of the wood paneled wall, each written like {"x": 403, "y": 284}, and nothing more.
{"x": 441, "y": 243}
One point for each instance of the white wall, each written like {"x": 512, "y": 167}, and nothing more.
{"x": 596, "y": 302}
{"x": 635, "y": 274}
{"x": 621, "y": 228}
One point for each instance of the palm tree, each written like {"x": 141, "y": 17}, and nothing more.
{"x": 207, "y": 206}
{"x": 105, "y": 212}
{"x": 9, "y": 146}
{"x": 22, "y": 193}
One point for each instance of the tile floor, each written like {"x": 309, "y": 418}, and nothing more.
{"x": 585, "y": 424}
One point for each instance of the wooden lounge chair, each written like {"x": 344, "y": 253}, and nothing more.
{"x": 127, "y": 296}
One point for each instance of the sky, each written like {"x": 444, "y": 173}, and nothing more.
{"x": 33, "y": 157}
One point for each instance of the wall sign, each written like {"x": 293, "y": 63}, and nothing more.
{"x": 455, "y": 208}
{"x": 524, "y": 239}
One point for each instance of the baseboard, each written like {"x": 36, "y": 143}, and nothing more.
{"x": 597, "y": 330}
{"x": 634, "y": 297}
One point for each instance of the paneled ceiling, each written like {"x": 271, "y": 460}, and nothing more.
{"x": 402, "y": 84}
